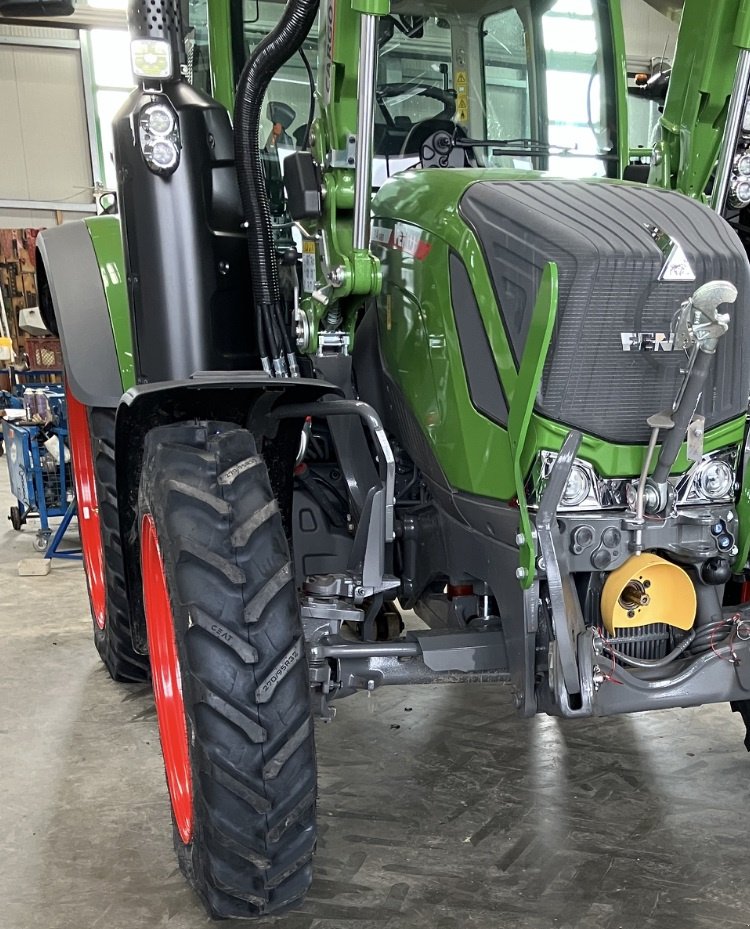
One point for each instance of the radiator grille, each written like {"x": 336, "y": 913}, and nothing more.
{"x": 609, "y": 266}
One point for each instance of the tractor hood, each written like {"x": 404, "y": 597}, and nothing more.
{"x": 628, "y": 256}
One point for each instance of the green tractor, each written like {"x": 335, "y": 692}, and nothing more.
{"x": 399, "y": 333}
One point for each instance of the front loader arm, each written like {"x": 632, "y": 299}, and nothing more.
{"x": 343, "y": 147}
{"x": 711, "y": 39}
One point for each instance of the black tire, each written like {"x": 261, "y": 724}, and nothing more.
{"x": 114, "y": 642}
{"x": 16, "y": 520}
{"x": 242, "y": 666}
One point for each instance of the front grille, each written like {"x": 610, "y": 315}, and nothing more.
{"x": 609, "y": 265}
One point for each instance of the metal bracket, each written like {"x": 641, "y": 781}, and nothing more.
{"x": 567, "y": 618}
{"x": 333, "y": 343}
{"x": 344, "y": 158}
{"x": 375, "y": 525}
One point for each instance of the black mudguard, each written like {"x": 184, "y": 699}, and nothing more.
{"x": 245, "y": 398}
{"x": 68, "y": 270}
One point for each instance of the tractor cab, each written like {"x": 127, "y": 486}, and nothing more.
{"x": 537, "y": 85}
{"x": 533, "y": 84}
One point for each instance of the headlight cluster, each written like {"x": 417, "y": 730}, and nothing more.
{"x": 739, "y": 186}
{"x": 712, "y": 480}
{"x": 159, "y": 137}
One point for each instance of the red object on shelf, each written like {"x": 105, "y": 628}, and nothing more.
{"x": 44, "y": 354}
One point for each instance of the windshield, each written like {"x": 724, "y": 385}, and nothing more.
{"x": 536, "y": 71}
{"x": 501, "y": 71}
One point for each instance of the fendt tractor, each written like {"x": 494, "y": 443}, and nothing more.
{"x": 380, "y": 327}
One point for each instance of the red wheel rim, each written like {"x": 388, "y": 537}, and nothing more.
{"x": 165, "y": 672}
{"x": 88, "y": 506}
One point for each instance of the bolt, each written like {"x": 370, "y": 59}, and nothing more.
{"x": 337, "y": 276}
{"x": 371, "y": 685}
{"x": 359, "y": 591}
{"x": 521, "y": 573}
{"x": 541, "y": 564}
{"x": 520, "y": 539}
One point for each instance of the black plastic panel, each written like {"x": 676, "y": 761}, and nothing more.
{"x": 479, "y": 362}
{"x": 185, "y": 250}
{"x": 69, "y": 267}
{"x": 609, "y": 265}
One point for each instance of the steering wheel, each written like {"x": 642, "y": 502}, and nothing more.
{"x": 446, "y": 97}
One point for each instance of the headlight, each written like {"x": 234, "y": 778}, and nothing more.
{"x": 159, "y": 120}
{"x": 715, "y": 479}
{"x": 151, "y": 58}
{"x": 742, "y": 165}
{"x": 159, "y": 136}
{"x": 739, "y": 192}
{"x": 163, "y": 154}
{"x": 577, "y": 488}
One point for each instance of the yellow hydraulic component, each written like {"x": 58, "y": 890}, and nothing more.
{"x": 648, "y": 589}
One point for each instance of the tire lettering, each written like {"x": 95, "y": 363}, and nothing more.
{"x": 268, "y": 686}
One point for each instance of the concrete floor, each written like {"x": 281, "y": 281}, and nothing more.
{"x": 437, "y": 807}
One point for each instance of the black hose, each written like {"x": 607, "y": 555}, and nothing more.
{"x": 653, "y": 662}
{"x": 268, "y": 56}
{"x": 311, "y": 114}
{"x": 284, "y": 333}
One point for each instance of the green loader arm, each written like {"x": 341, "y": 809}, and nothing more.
{"x": 711, "y": 38}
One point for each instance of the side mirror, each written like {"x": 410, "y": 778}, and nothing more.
{"x": 25, "y": 9}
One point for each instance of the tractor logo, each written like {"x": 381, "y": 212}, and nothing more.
{"x": 676, "y": 265}
{"x": 647, "y": 341}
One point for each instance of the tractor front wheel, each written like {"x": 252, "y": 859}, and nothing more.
{"x": 92, "y": 446}
{"x": 229, "y": 669}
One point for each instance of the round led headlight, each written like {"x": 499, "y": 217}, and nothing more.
{"x": 577, "y": 488}
{"x": 715, "y": 479}
{"x": 740, "y": 191}
{"x": 159, "y": 121}
{"x": 163, "y": 154}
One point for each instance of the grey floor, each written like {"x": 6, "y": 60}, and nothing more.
{"x": 437, "y": 807}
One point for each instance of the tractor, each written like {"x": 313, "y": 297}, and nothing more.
{"x": 379, "y": 327}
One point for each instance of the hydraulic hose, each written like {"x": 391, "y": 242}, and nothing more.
{"x": 269, "y": 55}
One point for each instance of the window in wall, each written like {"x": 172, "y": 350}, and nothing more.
{"x": 108, "y": 52}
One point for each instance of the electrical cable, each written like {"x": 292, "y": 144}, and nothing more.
{"x": 651, "y": 662}
{"x": 311, "y": 114}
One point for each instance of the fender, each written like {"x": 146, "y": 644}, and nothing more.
{"x": 243, "y": 397}
{"x": 82, "y": 290}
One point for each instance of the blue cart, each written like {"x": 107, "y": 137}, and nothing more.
{"x": 41, "y": 484}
